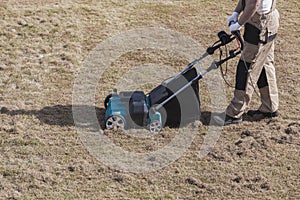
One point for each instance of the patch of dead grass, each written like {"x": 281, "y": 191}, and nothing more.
{"x": 43, "y": 44}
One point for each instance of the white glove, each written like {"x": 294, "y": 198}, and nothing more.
{"x": 233, "y": 18}
{"x": 235, "y": 27}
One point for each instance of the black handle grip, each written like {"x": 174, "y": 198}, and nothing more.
{"x": 224, "y": 39}
{"x": 240, "y": 39}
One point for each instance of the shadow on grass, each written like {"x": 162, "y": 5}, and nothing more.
{"x": 207, "y": 118}
{"x": 62, "y": 115}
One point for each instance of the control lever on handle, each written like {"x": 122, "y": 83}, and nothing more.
{"x": 238, "y": 36}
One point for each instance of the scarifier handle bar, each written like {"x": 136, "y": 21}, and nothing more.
{"x": 235, "y": 52}
{"x": 224, "y": 39}
{"x": 189, "y": 66}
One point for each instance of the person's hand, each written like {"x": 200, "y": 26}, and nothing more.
{"x": 233, "y": 18}
{"x": 235, "y": 27}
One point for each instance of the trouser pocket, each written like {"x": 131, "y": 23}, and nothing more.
{"x": 272, "y": 26}
{"x": 262, "y": 29}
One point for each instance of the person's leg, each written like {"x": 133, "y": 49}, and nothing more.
{"x": 246, "y": 79}
{"x": 246, "y": 71}
{"x": 268, "y": 91}
{"x": 240, "y": 99}
{"x": 267, "y": 81}
{"x": 268, "y": 86}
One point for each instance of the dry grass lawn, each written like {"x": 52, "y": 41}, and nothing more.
{"x": 43, "y": 44}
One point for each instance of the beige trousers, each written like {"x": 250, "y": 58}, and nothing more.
{"x": 256, "y": 67}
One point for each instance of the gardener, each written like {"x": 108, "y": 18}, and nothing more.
{"x": 256, "y": 66}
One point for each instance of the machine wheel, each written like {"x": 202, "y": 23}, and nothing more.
{"x": 115, "y": 122}
{"x": 107, "y": 100}
{"x": 155, "y": 126}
